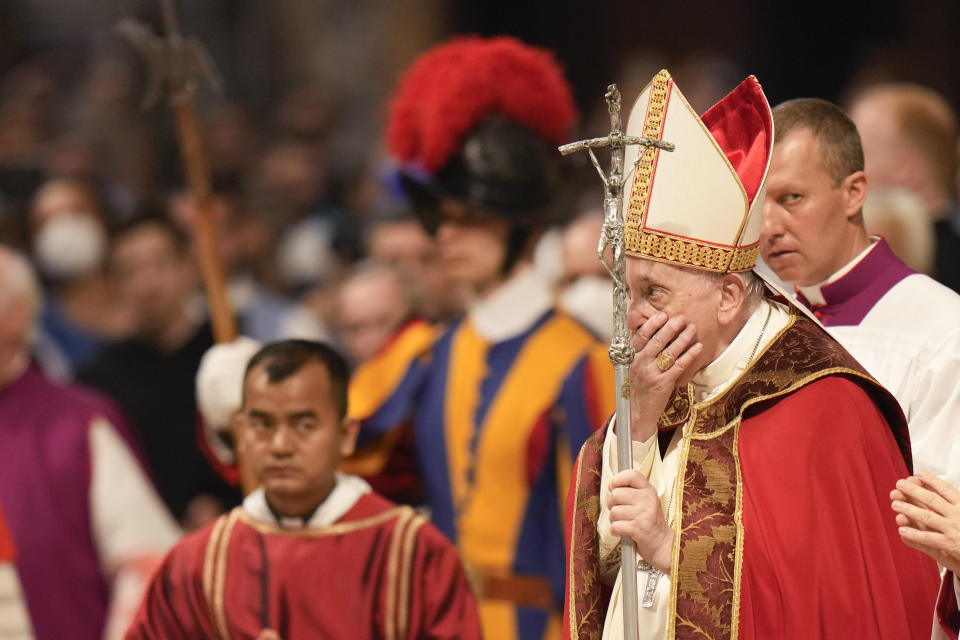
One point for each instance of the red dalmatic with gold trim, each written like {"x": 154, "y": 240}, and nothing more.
{"x": 381, "y": 571}
{"x": 785, "y": 529}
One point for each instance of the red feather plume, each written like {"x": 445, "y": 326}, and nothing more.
{"x": 457, "y": 85}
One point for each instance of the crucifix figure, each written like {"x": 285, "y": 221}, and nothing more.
{"x": 621, "y": 351}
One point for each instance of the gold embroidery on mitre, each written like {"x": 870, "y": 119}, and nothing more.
{"x": 652, "y": 128}
{"x": 688, "y": 252}
{"x": 663, "y": 247}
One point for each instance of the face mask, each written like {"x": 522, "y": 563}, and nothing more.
{"x": 590, "y": 300}
{"x": 304, "y": 256}
{"x": 70, "y": 246}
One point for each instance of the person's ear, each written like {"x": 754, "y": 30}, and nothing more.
{"x": 349, "y": 429}
{"x": 733, "y": 295}
{"x": 855, "y": 187}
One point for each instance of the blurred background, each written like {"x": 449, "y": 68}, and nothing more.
{"x": 305, "y": 83}
{"x": 304, "y": 191}
{"x": 315, "y": 236}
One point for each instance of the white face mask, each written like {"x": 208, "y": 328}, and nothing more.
{"x": 590, "y": 300}
{"x": 304, "y": 256}
{"x": 70, "y": 246}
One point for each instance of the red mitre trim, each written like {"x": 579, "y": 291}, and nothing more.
{"x": 457, "y": 85}
{"x": 742, "y": 125}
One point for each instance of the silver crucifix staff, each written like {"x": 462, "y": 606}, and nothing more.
{"x": 621, "y": 351}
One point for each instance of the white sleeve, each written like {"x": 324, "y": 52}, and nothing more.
{"x": 645, "y": 456}
{"x": 131, "y": 526}
{"x": 934, "y": 413}
{"x": 14, "y": 620}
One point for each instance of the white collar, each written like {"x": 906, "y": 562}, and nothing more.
{"x": 512, "y": 308}
{"x": 812, "y": 292}
{"x": 760, "y": 329}
{"x": 345, "y": 493}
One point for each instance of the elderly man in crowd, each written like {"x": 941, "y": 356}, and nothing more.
{"x": 86, "y": 522}
{"x": 910, "y": 135}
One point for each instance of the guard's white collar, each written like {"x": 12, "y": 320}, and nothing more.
{"x": 512, "y": 308}
{"x": 345, "y": 493}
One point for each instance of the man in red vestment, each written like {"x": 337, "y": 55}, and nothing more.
{"x": 312, "y": 553}
{"x": 762, "y": 452}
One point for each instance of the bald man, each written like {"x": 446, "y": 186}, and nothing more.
{"x": 86, "y": 523}
{"x": 372, "y": 304}
{"x": 909, "y": 135}
{"x": 587, "y": 290}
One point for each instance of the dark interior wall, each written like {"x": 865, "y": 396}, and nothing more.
{"x": 813, "y": 48}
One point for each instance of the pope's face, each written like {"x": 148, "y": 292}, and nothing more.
{"x": 292, "y": 437}
{"x": 657, "y": 286}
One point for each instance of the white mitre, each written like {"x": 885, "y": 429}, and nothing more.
{"x": 700, "y": 205}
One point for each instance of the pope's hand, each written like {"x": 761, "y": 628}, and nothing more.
{"x": 269, "y": 634}
{"x": 928, "y": 514}
{"x": 674, "y": 342}
{"x": 635, "y": 511}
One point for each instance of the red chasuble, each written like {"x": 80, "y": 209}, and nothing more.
{"x": 381, "y": 571}
{"x": 785, "y": 529}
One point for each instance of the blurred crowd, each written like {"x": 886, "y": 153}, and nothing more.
{"x": 314, "y": 233}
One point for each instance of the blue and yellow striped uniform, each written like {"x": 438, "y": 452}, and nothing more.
{"x": 496, "y": 428}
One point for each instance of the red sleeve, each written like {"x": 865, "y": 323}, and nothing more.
{"x": 174, "y": 607}
{"x": 7, "y": 550}
{"x": 442, "y": 606}
{"x": 822, "y": 557}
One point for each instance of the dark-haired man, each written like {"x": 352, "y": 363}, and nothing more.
{"x": 151, "y": 374}
{"x": 899, "y": 324}
{"x": 312, "y": 552}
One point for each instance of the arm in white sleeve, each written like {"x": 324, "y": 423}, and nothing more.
{"x": 131, "y": 526}
{"x": 934, "y": 412}
{"x": 14, "y": 620}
